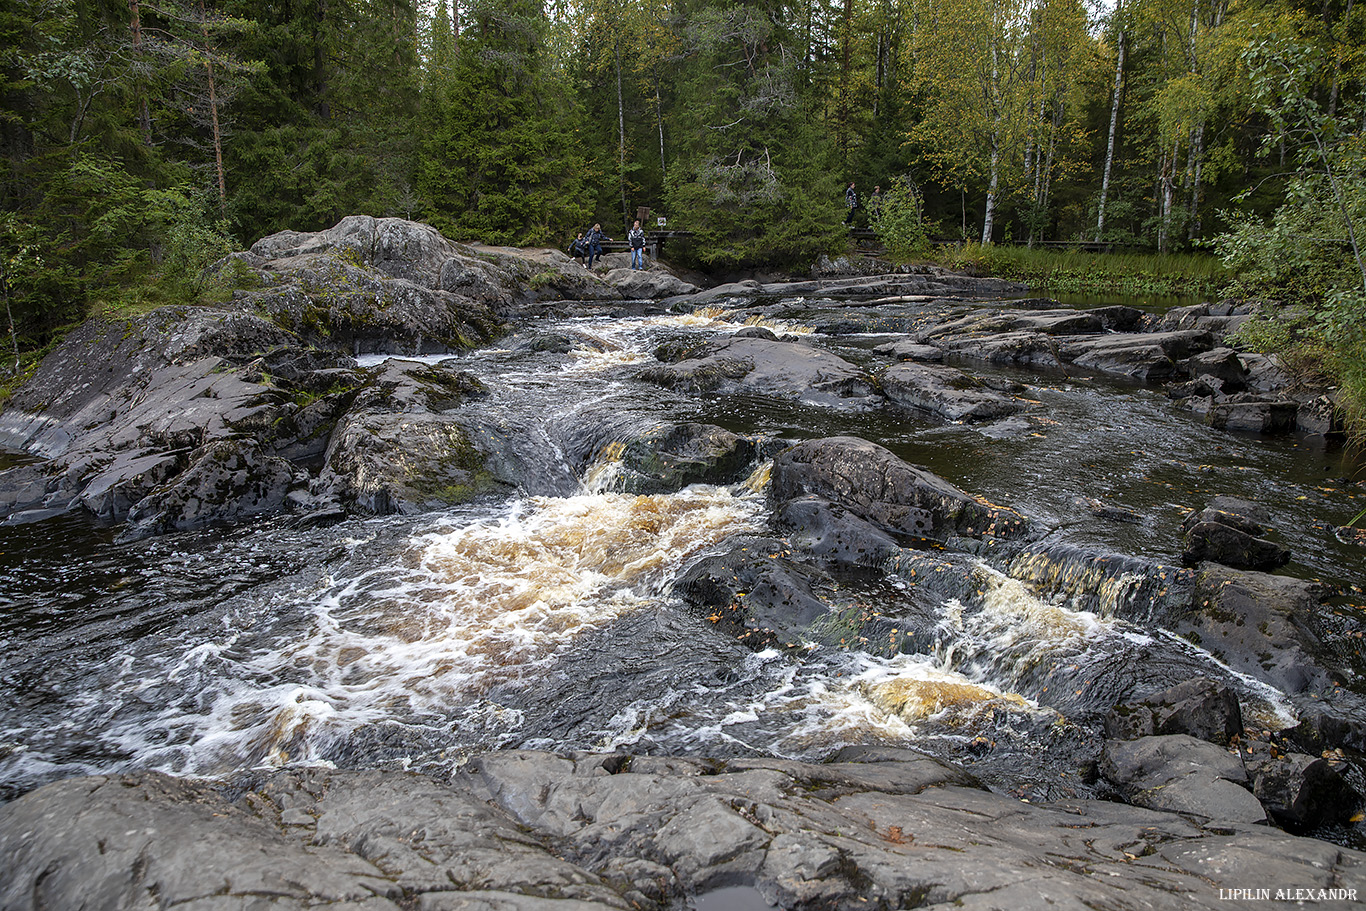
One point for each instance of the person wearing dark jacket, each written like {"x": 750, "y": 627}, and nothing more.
{"x": 850, "y": 202}
{"x": 594, "y": 243}
{"x": 636, "y": 238}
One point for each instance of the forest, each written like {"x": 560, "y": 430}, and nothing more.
{"x": 140, "y": 141}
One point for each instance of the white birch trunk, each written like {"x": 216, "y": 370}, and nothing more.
{"x": 1110, "y": 145}
{"x": 990, "y": 214}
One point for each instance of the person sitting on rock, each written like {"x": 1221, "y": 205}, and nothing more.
{"x": 577, "y": 248}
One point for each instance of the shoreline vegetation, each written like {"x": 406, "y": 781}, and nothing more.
{"x": 1082, "y": 272}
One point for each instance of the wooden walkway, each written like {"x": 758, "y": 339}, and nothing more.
{"x": 654, "y": 242}
{"x": 867, "y": 239}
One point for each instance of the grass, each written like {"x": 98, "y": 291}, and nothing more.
{"x": 1079, "y": 272}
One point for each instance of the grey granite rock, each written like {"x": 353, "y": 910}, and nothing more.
{"x": 946, "y": 393}
{"x": 1201, "y": 708}
{"x": 874, "y": 484}
{"x": 788, "y": 370}
{"x": 1182, "y": 774}
{"x": 529, "y": 831}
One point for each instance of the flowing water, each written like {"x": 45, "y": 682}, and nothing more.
{"x": 545, "y": 620}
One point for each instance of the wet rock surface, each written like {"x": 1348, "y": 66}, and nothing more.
{"x": 546, "y": 831}
{"x": 946, "y": 393}
{"x": 761, "y": 366}
{"x": 1182, "y": 774}
{"x": 183, "y": 419}
{"x": 874, "y": 484}
{"x": 1199, "y": 708}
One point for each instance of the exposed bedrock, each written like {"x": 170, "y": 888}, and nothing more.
{"x": 1232, "y": 390}
{"x": 875, "y": 485}
{"x": 760, "y": 366}
{"x": 546, "y": 832}
{"x": 948, "y": 393}
{"x": 1201, "y": 708}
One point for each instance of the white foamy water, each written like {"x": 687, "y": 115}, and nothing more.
{"x": 809, "y": 711}
{"x": 468, "y": 607}
{"x": 1014, "y": 632}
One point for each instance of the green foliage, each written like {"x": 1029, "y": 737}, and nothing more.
{"x": 755, "y": 180}
{"x": 498, "y": 161}
{"x": 900, "y": 222}
{"x": 194, "y": 236}
{"x": 1077, "y": 272}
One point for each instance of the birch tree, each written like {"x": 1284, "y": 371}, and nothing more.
{"x": 972, "y": 66}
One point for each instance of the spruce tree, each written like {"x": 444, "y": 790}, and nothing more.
{"x": 498, "y": 160}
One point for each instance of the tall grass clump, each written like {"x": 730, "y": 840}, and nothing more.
{"x": 1080, "y": 272}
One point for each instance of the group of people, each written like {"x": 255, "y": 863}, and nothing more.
{"x": 851, "y": 203}
{"x": 590, "y": 247}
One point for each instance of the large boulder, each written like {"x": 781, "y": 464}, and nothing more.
{"x": 946, "y": 393}
{"x": 756, "y": 591}
{"x": 874, "y": 484}
{"x": 648, "y": 284}
{"x": 668, "y": 457}
{"x": 1182, "y": 774}
{"x": 833, "y": 535}
{"x": 332, "y": 300}
{"x": 1304, "y": 792}
{"x": 402, "y": 448}
{"x": 1252, "y": 413}
{"x": 1201, "y": 708}
{"x": 467, "y": 283}
{"x": 1232, "y": 532}
{"x": 759, "y": 366}
{"x": 1139, "y": 356}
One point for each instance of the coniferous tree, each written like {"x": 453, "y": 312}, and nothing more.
{"x": 756, "y": 179}
{"x": 498, "y": 161}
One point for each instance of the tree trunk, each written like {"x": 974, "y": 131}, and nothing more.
{"x": 621, "y": 137}
{"x": 659, "y": 121}
{"x": 1110, "y": 145}
{"x": 1167, "y": 194}
{"x": 144, "y": 118}
{"x": 1197, "y": 170}
{"x": 13, "y": 335}
{"x": 213, "y": 115}
{"x": 990, "y": 214}
{"x": 844, "y": 81}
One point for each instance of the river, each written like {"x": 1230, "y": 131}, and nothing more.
{"x": 545, "y": 620}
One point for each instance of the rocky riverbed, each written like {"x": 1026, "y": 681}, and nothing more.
{"x": 318, "y": 395}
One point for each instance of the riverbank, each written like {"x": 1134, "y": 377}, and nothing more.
{"x": 613, "y": 562}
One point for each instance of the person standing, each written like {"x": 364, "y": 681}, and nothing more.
{"x": 594, "y": 243}
{"x": 875, "y": 204}
{"x": 636, "y": 238}
{"x": 851, "y": 203}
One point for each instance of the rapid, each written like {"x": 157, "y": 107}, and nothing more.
{"x": 546, "y": 619}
